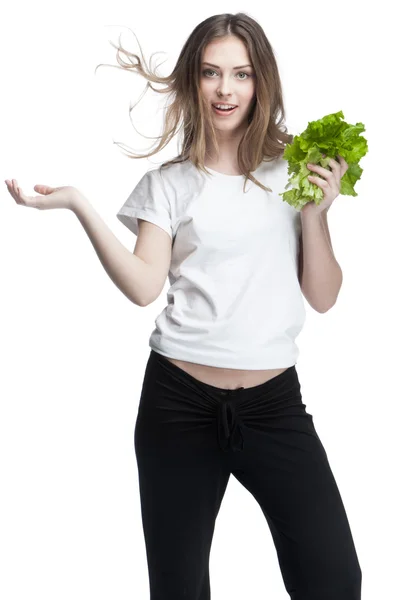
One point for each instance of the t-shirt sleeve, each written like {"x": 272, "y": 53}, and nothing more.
{"x": 147, "y": 201}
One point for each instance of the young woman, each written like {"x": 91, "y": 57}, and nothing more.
{"x": 221, "y": 394}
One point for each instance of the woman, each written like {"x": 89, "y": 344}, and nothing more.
{"x": 221, "y": 393}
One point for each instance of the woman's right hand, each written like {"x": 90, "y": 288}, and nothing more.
{"x": 60, "y": 197}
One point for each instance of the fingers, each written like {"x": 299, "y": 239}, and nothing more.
{"x": 13, "y": 188}
{"x": 16, "y": 191}
{"x": 319, "y": 169}
{"x": 343, "y": 163}
{"x": 338, "y": 169}
{"x": 16, "y": 188}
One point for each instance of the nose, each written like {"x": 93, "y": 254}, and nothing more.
{"x": 224, "y": 88}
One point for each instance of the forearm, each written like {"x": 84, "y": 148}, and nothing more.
{"x": 324, "y": 219}
{"x": 129, "y": 272}
{"x": 322, "y": 276}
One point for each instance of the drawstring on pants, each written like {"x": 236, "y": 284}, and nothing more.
{"x": 229, "y": 432}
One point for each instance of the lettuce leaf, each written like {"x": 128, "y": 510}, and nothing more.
{"x": 329, "y": 136}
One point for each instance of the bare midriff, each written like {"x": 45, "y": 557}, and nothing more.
{"x": 229, "y": 379}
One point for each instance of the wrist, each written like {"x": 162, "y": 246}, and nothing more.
{"x": 77, "y": 202}
{"x": 310, "y": 213}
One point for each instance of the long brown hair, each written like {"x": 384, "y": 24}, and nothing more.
{"x": 266, "y": 135}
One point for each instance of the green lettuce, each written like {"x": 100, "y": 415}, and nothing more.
{"x": 329, "y": 136}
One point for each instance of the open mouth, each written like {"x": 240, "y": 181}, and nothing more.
{"x": 224, "y": 111}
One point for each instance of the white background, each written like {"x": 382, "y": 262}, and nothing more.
{"x": 74, "y": 349}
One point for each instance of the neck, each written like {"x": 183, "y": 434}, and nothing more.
{"x": 228, "y": 144}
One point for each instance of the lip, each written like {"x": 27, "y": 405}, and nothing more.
{"x": 223, "y": 113}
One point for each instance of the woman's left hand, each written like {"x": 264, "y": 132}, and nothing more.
{"x": 330, "y": 185}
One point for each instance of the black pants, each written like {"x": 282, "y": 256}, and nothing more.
{"x": 190, "y": 436}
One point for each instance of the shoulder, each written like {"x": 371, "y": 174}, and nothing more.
{"x": 180, "y": 179}
{"x": 174, "y": 171}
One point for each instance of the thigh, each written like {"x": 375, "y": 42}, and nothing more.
{"x": 286, "y": 468}
{"x": 182, "y": 480}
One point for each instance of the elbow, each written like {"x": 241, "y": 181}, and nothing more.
{"x": 148, "y": 295}
{"x": 325, "y": 309}
{"x": 144, "y": 302}
{"x": 331, "y": 304}
{"x": 148, "y": 300}
{"x": 317, "y": 304}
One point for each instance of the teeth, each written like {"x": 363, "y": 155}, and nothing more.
{"x": 224, "y": 106}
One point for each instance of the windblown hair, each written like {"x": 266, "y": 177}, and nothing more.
{"x": 266, "y": 135}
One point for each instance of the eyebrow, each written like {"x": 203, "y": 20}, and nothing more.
{"x": 217, "y": 67}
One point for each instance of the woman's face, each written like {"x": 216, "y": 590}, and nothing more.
{"x": 223, "y": 83}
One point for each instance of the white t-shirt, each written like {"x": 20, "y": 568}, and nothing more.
{"x": 234, "y": 299}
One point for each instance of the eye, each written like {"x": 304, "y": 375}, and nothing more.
{"x": 240, "y": 73}
{"x": 208, "y": 71}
